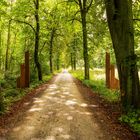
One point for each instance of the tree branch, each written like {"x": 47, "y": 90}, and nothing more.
{"x": 89, "y": 5}
{"x": 74, "y": 16}
{"x": 35, "y": 3}
{"x": 136, "y": 19}
{"x": 75, "y": 19}
{"x": 25, "y": 23}
{"x": 76, "y": 2}
{"x": 80, "y": 5}
{"x": 43, "y": 46}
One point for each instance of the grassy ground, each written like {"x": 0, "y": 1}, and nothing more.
{"x": 97, "y": 83}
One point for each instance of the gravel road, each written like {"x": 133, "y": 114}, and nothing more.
{"x": 60, "y": 113}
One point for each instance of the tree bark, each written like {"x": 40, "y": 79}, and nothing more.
{"x": 58, "y": 63}
{"x": 85, "y": 47}
{"x": 71, "y": 58}
{"x": 74, "y": 54}
{"x": 120, "y": 21}
{"x": 51, "y": 50}
{"x": 74, "y": 62}
{"x": 8, "y": 46}
{"x": 36, "y": 60}
{"x": 83, "y": 11}
{"x": 0, "y": 48}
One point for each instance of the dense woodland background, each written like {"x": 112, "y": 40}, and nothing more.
{"x": 70, "y": 34}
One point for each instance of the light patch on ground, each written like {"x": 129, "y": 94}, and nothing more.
{"x": 59, "y": 113}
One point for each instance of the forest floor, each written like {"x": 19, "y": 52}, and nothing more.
{"x": 63, "y": 109}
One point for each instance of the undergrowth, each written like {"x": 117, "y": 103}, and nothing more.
{"x": 10, "y": 94}
{"x": 97, "y": 84}
{"x": 132, "y": 118}
{"x": 99, "y": 87}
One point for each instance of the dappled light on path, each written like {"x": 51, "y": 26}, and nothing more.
{"x": 59, "y": 113}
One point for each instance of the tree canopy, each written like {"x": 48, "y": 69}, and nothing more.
{"x": 71, "y": 33}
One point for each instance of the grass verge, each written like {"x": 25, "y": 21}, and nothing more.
{"x": 97, "y": 84}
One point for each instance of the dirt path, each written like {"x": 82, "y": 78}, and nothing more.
{"x": 61, "y": 113}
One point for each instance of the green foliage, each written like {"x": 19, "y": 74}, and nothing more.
{"x": 98, "y": 86}
{"x": 8, "y": 97}
{"x": 35, "y": 83}
{"x": 47, "y": 77}
{"x": 10, "y": 94}
{"x": 97, "y": 83}
{"x": 132, "y": 118}
{"x": 33, "y": 76}
{"x": 3, "y": 83}
{"x": 79, "y": 74}
{"x": 2, "y": 105}
{"x": 45, "y": 69}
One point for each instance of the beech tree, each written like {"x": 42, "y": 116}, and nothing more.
{"x": 84, "y": 6}
{"x": 120, "y": 22}
{"x": 36, "y": 3}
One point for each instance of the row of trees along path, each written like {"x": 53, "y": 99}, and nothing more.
{"x": 119, "y": 17}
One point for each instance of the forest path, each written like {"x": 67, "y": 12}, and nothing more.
{"x": 61, "y": 113}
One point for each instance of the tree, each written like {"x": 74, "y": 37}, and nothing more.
{"x": 84, "y": 6}
{"x": 8, "y": 46}
{"x": 37, "y": 40}
{"x": 120, "y": 22}
{"x": 51, "y": 48}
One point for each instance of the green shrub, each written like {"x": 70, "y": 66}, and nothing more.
{"x": 33, "y": 76}
{"x": 12, "y": 95}
{"x": 5, "y": 84}
{"x": 2, "y": 82}
{"x": 47, "y": 77}
{"x": 98, "y": 86}
{"x": 35, "y": 83}
{"x": 132, "y": 118}
{"x": 2, "y": 104}
{"x": 45, "y": 69}
{"x": 9, "y": 82}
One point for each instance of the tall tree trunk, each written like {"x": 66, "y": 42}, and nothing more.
{"x": 74, "y": 55}
{"x": 74, "y": 61}
{"x": 8, "y": 46}
{"x": 84, "y": 10}
{"x": 36, "y": 60}
{"x": 51, "y": 50}
{"x": 11, "y": 67}
{"x": 51, "y": 63}
{"x": 0, "y": 49}
{"x": 120, "y": 21}
{"x": 71, "y": 58}
{"x": 58, "y": 62}
{"x": 85, "y": 46}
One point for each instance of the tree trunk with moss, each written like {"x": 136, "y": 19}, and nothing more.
{"x": 120, "y": 21}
